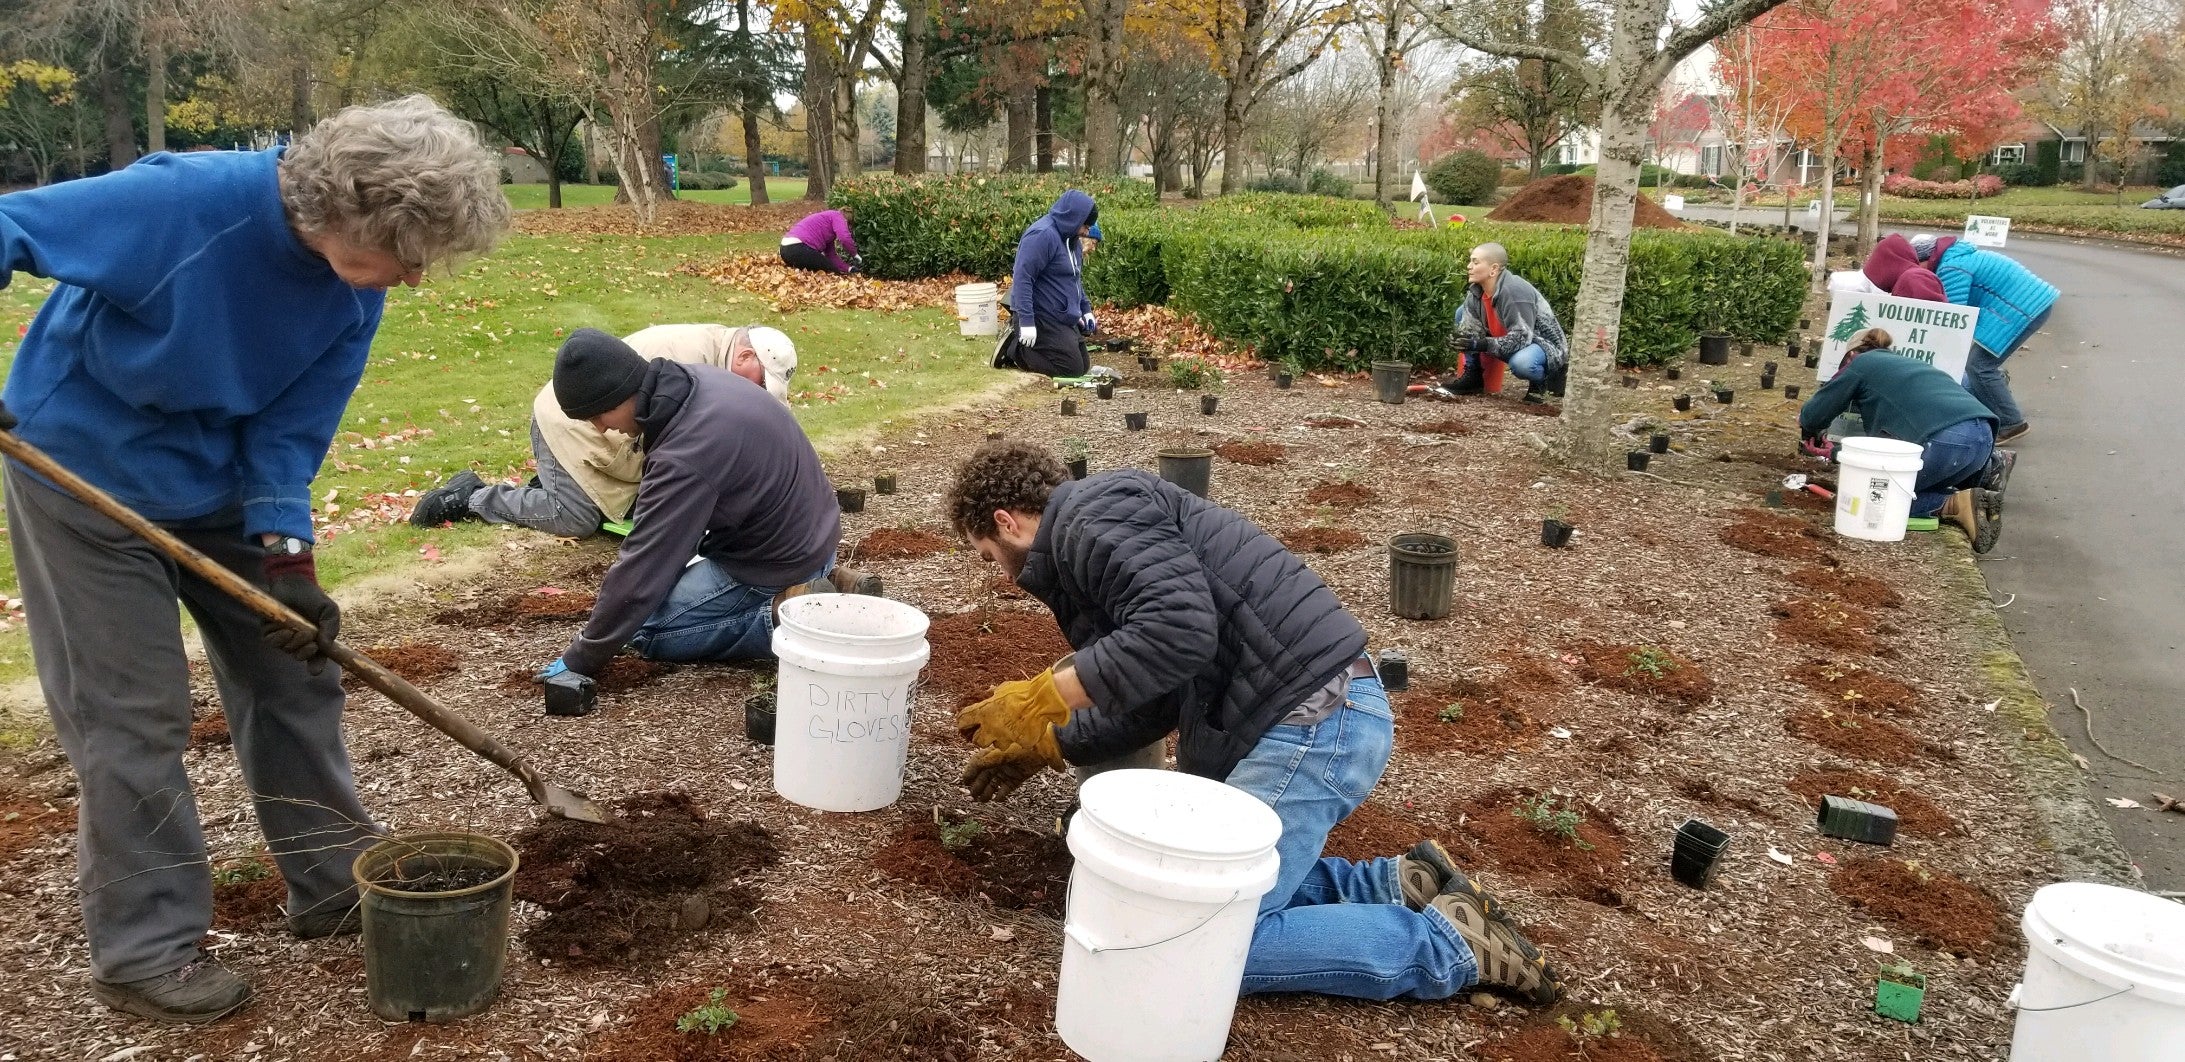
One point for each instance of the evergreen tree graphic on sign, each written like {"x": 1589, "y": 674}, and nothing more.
{"x": 1851, "y": 324}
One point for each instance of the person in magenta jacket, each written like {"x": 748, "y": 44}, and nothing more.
{"x": 211, "y": 316}
{"x": 812, "y": 242}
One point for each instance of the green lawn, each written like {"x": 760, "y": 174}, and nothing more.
{"x": 533, "y": 196}
{"x": 2063, "y": 208}
{"x": 457, "y": 361}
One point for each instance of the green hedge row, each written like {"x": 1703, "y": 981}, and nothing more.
{"x": 962, "y": 223}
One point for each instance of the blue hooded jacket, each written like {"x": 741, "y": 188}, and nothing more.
{"x": 2009, "y": 296}
{"x": 1047, "y": 287}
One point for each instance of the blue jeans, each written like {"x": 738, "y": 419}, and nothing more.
{"x": 1529, "y": 363}
{"x": 709, "y": 616}
{"x": 1953, "y": 456}
{"x": 1330, "y": 925}
{"x": 1984, "y": 377}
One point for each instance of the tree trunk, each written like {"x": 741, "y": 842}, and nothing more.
{"x": 1105, "y": 58}
{"x": 1870, "y": 197}
{"x": 299, "y": 95}
{"x": 754, "y": 151}
{"x": 1384, "y": 112}
{"x": 819, "y": 116}
{"x": 1021, "y": 109}
{"x": 1826, "y": 223}
{"x": 591, "y": 154}
{"x": 1585, "y": 440}
{"x": 121, "y": 136}
{"x": 1235, "y": 107}
{"x": 910, "y": 90}
{"x": 155, "y": 95}
{"x": 1043, "y": 130}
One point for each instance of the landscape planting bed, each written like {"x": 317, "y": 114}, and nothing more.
{"x": 872, "y": 936}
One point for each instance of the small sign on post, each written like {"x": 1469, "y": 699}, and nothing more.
{"x": 1673, "y": 202}
{"x": 1984, "y": 231}
{"x": 1938, "y": 333}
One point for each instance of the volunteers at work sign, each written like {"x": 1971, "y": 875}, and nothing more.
{"x": 1938, "y": 333}
{"x": 1984, "y": 231}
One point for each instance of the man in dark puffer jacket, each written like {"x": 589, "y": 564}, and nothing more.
{"x": 1185, "y": 617}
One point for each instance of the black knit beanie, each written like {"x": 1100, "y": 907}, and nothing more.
{"x": 594, "y": 372}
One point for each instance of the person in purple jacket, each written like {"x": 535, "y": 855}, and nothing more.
{"x": 212, "y": 315}
{"x": 812, "y": 243}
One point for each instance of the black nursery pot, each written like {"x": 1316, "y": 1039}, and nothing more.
{"x": 1856, "y": 820}
{"x": 1791, "y": 348}
{"x": 1637, "y": 460}
{"x": 1744, "y": 350}
{"x": 883, "y": 484}
{"x": 1714, "y": 350}
{"x": 1790, "y": 391}
{"x": 1813, "y": 361}
{"x": 1134, "y": 421}
{"x": 1283, "y": 381}
{"x": 1189, "y": 467}
{"x": 1696, "y": 852}
{"x": 1077, "y": 468}
{"x": 1631, "y": 383}
{"x": 1149, "y": 362}
{"x": 1554, "y": 534}
{"x": 1390, "y": 380}
{"x": 1069, "y": 407}
{"x": 1209, "y": 404}
{"x": 1658, "y": 443}
{"x": 759, "y": 718}
{"x": 1674, "y": 373}
{"x": 1395, "y": 671}
{"x": 1105, "y": 389}
{"x": 1767, "y": 368}
{"x": 1724, "y": 396}
{"x": 1683, "y": 403}
{"x": 852, "y": 499}
{"x": 1767, "y": 383}
{"x": 571, "y": 694}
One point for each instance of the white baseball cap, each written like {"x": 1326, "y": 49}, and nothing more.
{"x": 777, "y": 355}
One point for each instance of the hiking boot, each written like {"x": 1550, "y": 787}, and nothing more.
{"x": 1558, "y": 379}
{"x": 1994, "y": 480}
{"x": 200, "y": 991}
{"x": 1959, "y": 509}
{"x": 853, "y": 581}
{"x": 1471, "y": 381}
{"x": 1536, "y": 391}
{"x": 2017, "y": 430}
{"x": 447, "y": 504}
{"x": 1427, "y": 871}
{"x": 1991, "y": 523}
{"x": 1506, "y": 960}
{"x": 319, "y": 924}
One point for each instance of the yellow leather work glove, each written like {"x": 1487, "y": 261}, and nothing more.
{"x": 1022, "y": 713}
{"x": 996, "y": 773}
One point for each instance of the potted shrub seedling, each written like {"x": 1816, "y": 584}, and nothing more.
{"x": 1209, "y": 404}
{"x": 1714, "y": 343}
{"x": 1287, "y": 373}
{"x": 1723, "y": 392}
{"x": 1075, "y": 452}
{"x": 1555, "y": 528}
{"x": 1191, "y": 374}
{"x": 1069, "y": 407}
{"x": 1395, "y": 670}
{"x": 1637, "y": 460}
{"x": 759, "y": 717}
{"x": 1767, "y": 368}
{"x": 1658, "y": 442}
{"x": 1149, "y": 362}
{"x": 1745, "y": 349}
{"x": 1105, "y": 388}
{"x": 852, "y": 499}
{"x": 1813, "y": 361}
{"x": 1631, "y": 382}
{"x": 1899, "y": 990}
{"x": 1673, "y": 373}
{"x": 1134, "y": 421}
{"x": 1767, "y": 382}
{"x": 1790, "y": 391}
{"x": 1681, "y": 403}
{"x": 884, "y": 483}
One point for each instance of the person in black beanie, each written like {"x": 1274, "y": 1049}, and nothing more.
{"x": 730, "y": 478}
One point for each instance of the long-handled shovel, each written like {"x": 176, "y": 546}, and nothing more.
{"x": 553, "y": 796}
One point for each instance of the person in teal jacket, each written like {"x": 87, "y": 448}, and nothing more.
{"x": 2013, "y": 303}
{"x": 1962, "y": 475}
{"x": 212, "y": 315}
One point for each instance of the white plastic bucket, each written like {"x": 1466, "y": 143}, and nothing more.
{"x": 976, "y": 309}
{"x": 2105, "y": 976}
{"x": 849, "y": 672}
{"x": 1874, "y": 493}
{"x": 1170, "y": 871}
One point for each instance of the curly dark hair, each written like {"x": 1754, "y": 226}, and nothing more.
{"x": 1002, "y": 474}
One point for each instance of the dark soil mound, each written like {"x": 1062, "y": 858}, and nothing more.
{"x": 792, "y": 1019}
{"x": 416, "y": 662}
{"x": 1251, "y": 453}
{"x": 974, "y": 651}
{"x": 1828, "y": 625}
{"x": 1645, "y": 670}
{"x": 1638, "y": 1038}
{"x": 1860, "y": 737}
{"x": 898, "y": 543}
{"x": 1856, "y": 689}
{"x": 1486, "y": 718}
{"x": 539, "y": 605}
{"x": 1944, "y": 912}
{"x": 1342, "y": 495}
{"x": 1915, "y": 813}
{"x": 1774, "y": 535}
{"x": 210, "y": 729}
{"x": 1008, "y": 866}
{"x": 1374, "y": 830}
{"x": 1568, "y": 200}
{"x": 1862, "y": 590}
{"x": 1588, "y": 866}
{"x": 482, "y": 614}
{"x": 631, "y": 886}
{"x": 1322, "y": 540}
{"x": 247, "y": 893}
{"x": 625, "y": 673}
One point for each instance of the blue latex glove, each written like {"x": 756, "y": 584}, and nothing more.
{"x": 553, "y": 669}
{"x": 1088, "y": 324}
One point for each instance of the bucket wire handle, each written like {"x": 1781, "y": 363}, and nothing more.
{"x": 2074, "y": 1006}
{"x": 1074, "y": 933}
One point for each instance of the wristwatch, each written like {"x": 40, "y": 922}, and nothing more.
{"x": 289, "y": 545}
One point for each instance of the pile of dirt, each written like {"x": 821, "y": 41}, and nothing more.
{"x": 1002, "y": 586}
{"x": 247, "y": 893}
{"x": 1774, "y": 535}
{"x": 210, "y": 729}
{"x": 790, "y": 290}
{"x": 1341, "y": 494}
{"x": 790, "y": 1019}
{"x": 974, "y": 651}
{"x": 660, "y": 870}
{"x": 1333, "y": 421}
{"x": 1568, "y": 200}
{"x": 1251, "y": 453}
{"x": 1828, "y": 625}
{"x": 672, "y": 218}
{"x": 1646, "y": 670}
{"x": 1915, "y": 813}
{"x": 1483, "y": 718}
{"x": 1373, "y": 830}
{"x": 1857, "y": 689}
{"x": 898, "y": 543}
{"x": 1595, "y": 1034}
{"x": 625, "y": 673}
{"x": 1864, "y": 591}
{"x": 1860, "y": 737}
{"x": 560, "y": 605}
{"x": 417, "y": 662}
{"x": 1443, "y": 427}
{"x": 1587, "y": 867}
{"x": 1702, "y": 790}
{"x": 1009, "y": 866}
{"x": 1322, "y": 539}
{"x": 25, "y": 821}
{"x": 1944, "y": 912}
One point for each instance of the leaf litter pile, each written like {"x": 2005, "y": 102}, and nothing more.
{"x": 789, "y": 290}
{"x": 896, "y": 936}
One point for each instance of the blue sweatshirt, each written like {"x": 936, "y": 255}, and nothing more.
{"x": 1046, "y": 288}
{"x": 196, "y": 356}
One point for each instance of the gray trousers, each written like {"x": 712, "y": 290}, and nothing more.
{"x": 557, "y": 506}
{"x": 107, "y": 641}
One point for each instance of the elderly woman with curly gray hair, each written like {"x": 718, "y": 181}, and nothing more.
{"x": 212, "y": 316}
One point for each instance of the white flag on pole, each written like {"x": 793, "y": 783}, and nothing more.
{"x": 1418, "y": 195}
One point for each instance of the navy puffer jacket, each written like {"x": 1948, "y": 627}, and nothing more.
{"x": 1185, "y": 617}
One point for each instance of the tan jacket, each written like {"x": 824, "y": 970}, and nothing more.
{"x": 606, "y": 465}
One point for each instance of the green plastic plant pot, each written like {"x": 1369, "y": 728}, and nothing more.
{"x": 434, "y": 955}
{"x": 1898, "y": 994}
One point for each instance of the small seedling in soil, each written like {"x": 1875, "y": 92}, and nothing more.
{"x": 959, "y": 836}
{"x": 1451, "y": 712}
{"x": 1653, "y": 662}
{"x": 709, "y": 1019}
{"x": 1591, "y": 1025}
{"x": 1552, "y": 816}
{"x": 1075, "y": 448}
{"x": 241, "y": 872}
{"x": 1191, "y": 374}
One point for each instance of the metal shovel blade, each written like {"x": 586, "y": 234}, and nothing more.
{"x": 568, "y": 803}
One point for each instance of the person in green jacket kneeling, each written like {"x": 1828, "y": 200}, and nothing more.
{"x": 1962, "y": 475}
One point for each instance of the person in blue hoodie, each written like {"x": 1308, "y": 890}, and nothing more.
{"x": 2013, "y": 303}
{"x": 212, "y": 315}
{"x": 1047, "y": 289}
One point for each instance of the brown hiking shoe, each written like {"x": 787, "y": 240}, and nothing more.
{"x": 1959, "y": 509}
{"x": 1427, "y": 871}
{"x": 1507, "y": 961}
{"x": 854, "y": 581}
{"x": 199, "y": 991}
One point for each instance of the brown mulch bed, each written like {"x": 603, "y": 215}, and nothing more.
{"x": 1860, "y": 737}
{"x": 1011, "y": 867}
{"x": 1251, "y": 453}
{"x": 1857, "y": 689}
{"x": 417, "y": 662}
{"x": 540, "y": 605}
{"x": 1916, "y": 814}
{"x": 1498, "y": 716}
{"x": 1588, "y": 867}
{"x": 975, "y": 651}
{"x": 898, "y": 543}
{"x": 794, "y": 1016}
{"x": 790, "y": 290}
{"x": 1771, "y": 535}
{"x": 1864, "y": 591}
{"x": 253, "y": 895}
{"x": 1637, "y": 1037}
{"x": 1942, "y": 911}
{"x": 1828, "y": 625}
{"x": 1568, "y": 200}
{"x": 1632, "y": 668}
{"x": 673, "y": 218}
{"x": 1443, "y": 427}
{"x": 1342, "y": 495}
{"x": 1322, "y": 539}
{"x": 25, "y": 821}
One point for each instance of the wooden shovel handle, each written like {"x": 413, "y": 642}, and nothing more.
{"x": 397, "y": 688}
